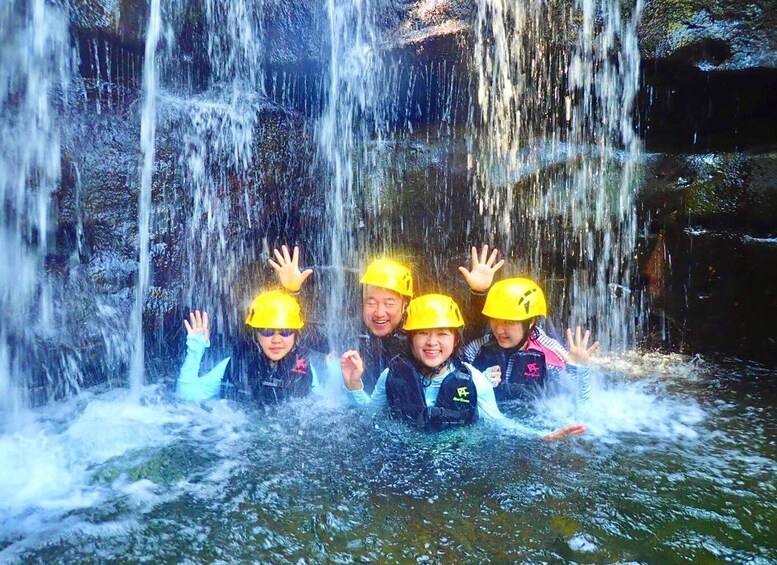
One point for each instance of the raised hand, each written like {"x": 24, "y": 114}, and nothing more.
{"x": 574, "y": 430}
{"x": 579, "y": 352}
{"x": 484, "y": 267}
{"x": 353, "y": 368}
{"x": 287, "y": 267}
{"x": 197, "y": 324}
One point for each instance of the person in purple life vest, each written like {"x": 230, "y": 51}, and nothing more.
{"x": 517, "y": 356}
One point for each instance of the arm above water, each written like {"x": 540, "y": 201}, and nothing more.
{"x": 488, "y": 410}
{"x": 191, "y": 386}
{"x": 577, "y": 376}
{"x": 479, "y": 278}
{"x": 471, "y": 349}
{"x": 377, "y": 400}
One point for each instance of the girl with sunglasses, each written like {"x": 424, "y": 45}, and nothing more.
{"x": 268, "y": 368}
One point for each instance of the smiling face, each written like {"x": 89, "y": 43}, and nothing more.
{"x": 276, "y": 347}
{"x": 433, "y": 347}
{"x": 508, "y": 333}
{"x": 382, "y": 310}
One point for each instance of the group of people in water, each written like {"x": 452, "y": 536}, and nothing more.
{"x": 414, "y": 362}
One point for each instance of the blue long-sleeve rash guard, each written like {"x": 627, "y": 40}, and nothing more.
{"x": 191, "y": 386}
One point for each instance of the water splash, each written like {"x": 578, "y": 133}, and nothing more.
{"x": 34, "y": 40}
{"x": 162, "y": 479}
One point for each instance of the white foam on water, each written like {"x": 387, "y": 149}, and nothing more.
{"x": 583, "y": 543}
{"x": 51, "y": 463}
{"x": 637, "y": 401}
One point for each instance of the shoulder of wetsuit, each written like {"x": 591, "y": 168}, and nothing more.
{"x": 548, "y": 329}
{"x": 401, "y": 360}
{"x": 477, "y": 322}
{"x": 461, "y": 367}
{"x": 395, "y": 344}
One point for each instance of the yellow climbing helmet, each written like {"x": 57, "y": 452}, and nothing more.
{"x": 275, "y": 310}
{"x": 389, "y": 274}
{"x": 432, "y": 311}
{"x": 515, "y": 299}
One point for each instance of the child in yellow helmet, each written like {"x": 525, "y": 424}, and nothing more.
{"x": 517, "y": 355}
{"x": 387, "y": 286}
{"x": 427, "y": 386}
{"x": 267, "y": 368}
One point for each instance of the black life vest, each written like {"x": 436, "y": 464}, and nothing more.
{"x": 456, "y": 404}
{"x": 523, "y": 372}
{"x": 377, "y": 352}
{"x": 255, "y": 378}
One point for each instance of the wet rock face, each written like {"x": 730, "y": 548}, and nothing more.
{"x": 733, "y": 191}
{"x": 707, "y": 266}
{"x": 708, "y": 34}
{"x": 716, "y": 34}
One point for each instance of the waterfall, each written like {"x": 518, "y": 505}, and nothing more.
{"x": 573, "y": 227}
{"x": 216, "y": 131}
{"x": 347, "y": 154}
{"x": 346, "y": 130}
{"x": 147, "y": 138}
{"x": 35, "y": 66}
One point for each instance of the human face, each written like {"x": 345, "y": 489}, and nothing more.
{"x": 433, "y": 347}
{"x": 508, "y": 333}
{"x": 276, "y": 347}
{"x": 382, "y": 310}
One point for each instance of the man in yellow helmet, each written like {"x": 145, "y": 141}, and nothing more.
{"x": 387, "y": 288}
{"x": 428, "y": 386}
{"x": 267, "y": 367}
{"x": 517, "y": 355}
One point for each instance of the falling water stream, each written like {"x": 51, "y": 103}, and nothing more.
{"x": 234, "y": 156}
{"x": 35, "y": 66}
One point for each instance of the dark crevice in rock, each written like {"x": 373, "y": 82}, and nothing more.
{"x": 706, "y": 51}
{"x": 689, "y": 110}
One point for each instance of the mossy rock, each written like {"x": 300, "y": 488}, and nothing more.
{"x": 724, "y": 35}
{"x": 168, "y": 465}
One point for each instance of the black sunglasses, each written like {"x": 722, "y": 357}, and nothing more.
{"x": 266, "y": 332}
